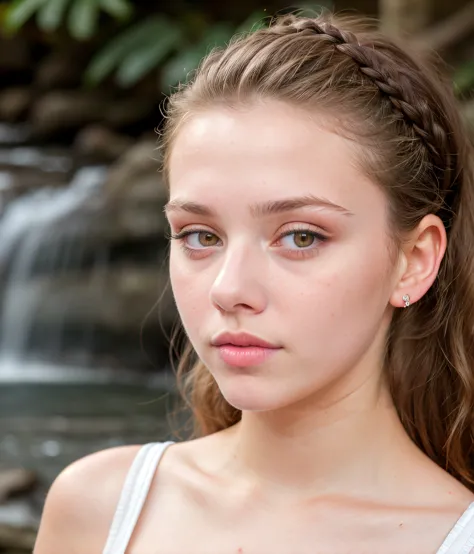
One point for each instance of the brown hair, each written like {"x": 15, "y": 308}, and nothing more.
{"x": 413, "y": 142}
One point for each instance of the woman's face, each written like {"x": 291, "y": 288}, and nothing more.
{"x": 288, "y": 241}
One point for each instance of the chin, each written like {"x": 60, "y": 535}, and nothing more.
{"x": 253, "y": 397}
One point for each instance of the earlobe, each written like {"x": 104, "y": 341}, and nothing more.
{"x": 421, "y": 257}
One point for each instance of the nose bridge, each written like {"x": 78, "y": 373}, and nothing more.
{"x": 238, "y": 280}
{"x": 239, "y": 261}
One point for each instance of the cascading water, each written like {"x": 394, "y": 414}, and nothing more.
{"x": 40, "y": 234}
{"x": 79, "y": 271}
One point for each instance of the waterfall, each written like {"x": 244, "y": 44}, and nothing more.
{"x": 40, "y": 234}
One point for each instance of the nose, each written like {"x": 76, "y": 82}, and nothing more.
{"x": 239, "y": 284}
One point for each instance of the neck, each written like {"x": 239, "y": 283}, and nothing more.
{"x": 355, "y": 445}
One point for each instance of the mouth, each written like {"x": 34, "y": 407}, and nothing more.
{"x": 243, "y": 340}
{"x": 244, "y": 350}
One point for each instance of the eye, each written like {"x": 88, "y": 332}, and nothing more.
{"x": 201, "y": 238}
{"x": 196, "y": 239}
{"x": 301, "y": 239}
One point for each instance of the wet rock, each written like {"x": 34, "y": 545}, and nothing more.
{"x": 14, "y": 134}
{"x": 17, "y": 539}
{"x": 96, "y": 140}
{"x": 66, "y": 110}
{"x": 15, "y": 54}
{"x": 122, "y": 113}
{"x": 118, "y": 300}
{"x": 57, "y": 71}
{"x": 14, "y": 104}
{"x": 19, "y": 181}
{"x": 136, "y": 174}
{"x": 14, "y": 481}
{"x": 135, "y": 194}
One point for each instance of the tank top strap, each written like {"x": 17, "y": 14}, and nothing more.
{"x": 133, "y": 496}
{"x": 461, "y": 538}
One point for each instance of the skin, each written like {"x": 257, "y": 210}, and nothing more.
{"x": 320, "y": 461}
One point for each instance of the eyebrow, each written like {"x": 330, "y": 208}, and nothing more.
{"x": 260, "y": 209}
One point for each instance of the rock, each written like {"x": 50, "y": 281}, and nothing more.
{"x": 18, "y": 539}
{"x": 117, "y": 299}
{"x": 57, "y": 71}
{"x": 136, "y": 174}
{"x": 121, "y": 113}
{"x": 14, "y": 104}
{"x": 14, "y": 481}
{"x": 135, "y": 218}
{"x": 20, "y": 181}
{"x": 65, "y": 110}
{"x": 15, "y": 54}
{"x": 96, "y": 140}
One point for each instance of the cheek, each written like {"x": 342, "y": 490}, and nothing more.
{"x": 190, "y": 292}
{"x": 339, "y": 306}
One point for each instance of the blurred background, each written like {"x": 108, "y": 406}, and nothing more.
{"x": 85, "y": 310}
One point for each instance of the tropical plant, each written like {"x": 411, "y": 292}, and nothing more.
{"x": 464, "y": 77}
{"x": 147, "y": 42}
{"x": 82, "y": 16}
{"x": 150, "y": 43}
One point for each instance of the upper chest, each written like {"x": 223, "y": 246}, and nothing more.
{"x": 204, "y": 526}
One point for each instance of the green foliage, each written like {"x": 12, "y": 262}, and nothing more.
{"x": 176, "y": 46}
{"x": 161, "y": 41}
{"x": 82, "y": 20}
{"x": 257, "y": 20}
{"x": 51, "y": 14}
{"x": 179, "y": 68}
{"x": 82, "y": 15}
{"x": 464, "y": 77}
{"x": 134, "y": 52}
{"x": 120, "y": 9}
{"x": 19, "y": 11}
{"x": 312, "y": 9}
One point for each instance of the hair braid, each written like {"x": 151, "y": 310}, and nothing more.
{"x": 408, "y": 98}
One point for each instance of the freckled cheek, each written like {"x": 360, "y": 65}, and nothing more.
{"x": 359, "y": 290}
{"x": 190, "y": 290}
{"x": 336, "y": 296}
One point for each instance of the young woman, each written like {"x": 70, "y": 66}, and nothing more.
{"x": 322, "y": 220}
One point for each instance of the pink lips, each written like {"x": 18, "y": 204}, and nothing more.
{"x": 243, "y": 350}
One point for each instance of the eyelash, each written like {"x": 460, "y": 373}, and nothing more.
{"x": 300, "y": 253}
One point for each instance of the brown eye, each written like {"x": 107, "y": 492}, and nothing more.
{"x": 303, "y": 239}
{"x": 207, "y": 239}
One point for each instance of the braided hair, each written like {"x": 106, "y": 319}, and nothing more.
{"x": 410, "y": 95}
{"x": 398, "y": 107}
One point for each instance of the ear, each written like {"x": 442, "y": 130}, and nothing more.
{"x": 420, "y": 259}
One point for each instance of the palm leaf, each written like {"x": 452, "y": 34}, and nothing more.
{"x": 112, "y": 54}
{"x": 119, "y": 9}
{"x": 139, "y": 63}
{"x": 83, "y": 18}
{"x": 180, "y": 67}
{"x": 19, "y": 11}
{"x": 50, "y": 16}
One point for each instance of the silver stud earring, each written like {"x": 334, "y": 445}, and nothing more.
{"x": 406, "y": 299}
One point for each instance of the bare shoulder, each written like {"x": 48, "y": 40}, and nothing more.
{"x": 80, "y": 504}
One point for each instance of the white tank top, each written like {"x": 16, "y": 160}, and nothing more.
{"x": 137, "y": 484}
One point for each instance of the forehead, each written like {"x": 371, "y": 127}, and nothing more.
{"x": 266, "y": 150}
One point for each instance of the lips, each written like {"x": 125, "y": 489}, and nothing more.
{"x": 242, "y": 339}
{"x": 242, "y": 350}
